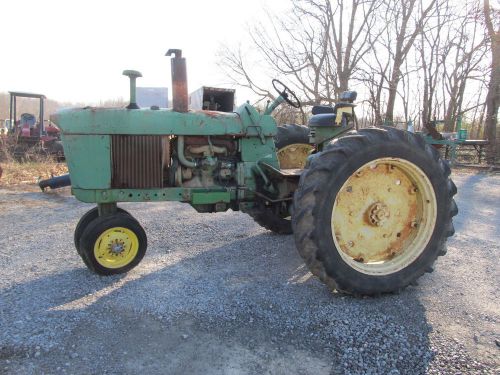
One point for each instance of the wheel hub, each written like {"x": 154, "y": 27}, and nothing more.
{"x": 378, "y": 213}
{"x": 116, "y": 247}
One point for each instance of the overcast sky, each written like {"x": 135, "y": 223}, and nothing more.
{"x": 76, "y": 50}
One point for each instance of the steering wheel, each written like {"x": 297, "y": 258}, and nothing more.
{"x": 285, "y": 92}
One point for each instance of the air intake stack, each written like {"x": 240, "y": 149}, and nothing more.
{"x": 132, "y": 75}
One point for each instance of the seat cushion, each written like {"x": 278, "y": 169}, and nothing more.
{"x": 323, "y": 119}
{"x": 317, "y": 109}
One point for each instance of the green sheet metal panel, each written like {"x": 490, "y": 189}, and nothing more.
{"x": 212, "y": 197}
{"x": 122, "y": 121}
{"x": 245, "y": 121}
{"x": 193, "y": 195}
{"x": 88, "y": 159}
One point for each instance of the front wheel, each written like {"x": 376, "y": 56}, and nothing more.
{"x": 373, "y": 211}
{"x": 85, "y": 220}
{"x": 113, "y": 244}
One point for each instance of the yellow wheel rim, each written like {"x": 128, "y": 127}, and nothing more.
{"x": 294, "y": 156}
{"x": 116, "y": 247}
{"x": 383, "y": 216}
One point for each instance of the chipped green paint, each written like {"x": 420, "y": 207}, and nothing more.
{"x": 164, "y": 121}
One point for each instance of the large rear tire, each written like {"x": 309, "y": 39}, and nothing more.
{"x": 292, "y": 150}
{"x": 292, "y": 146}
{"x": 373, "y": 211}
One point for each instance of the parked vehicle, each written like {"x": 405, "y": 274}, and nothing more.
{"x": 370, "y": 210}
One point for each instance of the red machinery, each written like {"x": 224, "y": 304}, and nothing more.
{"x": 27, "y": 133}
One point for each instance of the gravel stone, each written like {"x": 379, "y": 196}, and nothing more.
{"x": 218, "y": 294}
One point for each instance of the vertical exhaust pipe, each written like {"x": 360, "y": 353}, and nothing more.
{"x": 179, "y": 81}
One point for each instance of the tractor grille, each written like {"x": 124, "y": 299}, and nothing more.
{"x": 136, "y": 161}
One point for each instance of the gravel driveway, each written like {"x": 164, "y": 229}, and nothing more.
{"x": 217, "y": 294}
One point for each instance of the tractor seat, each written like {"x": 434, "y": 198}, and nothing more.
{"x": 318, "y": 109}
{"x": 323, "y": 115}
{"x": 323, "y": 119}
{"x": 346, "y": 98}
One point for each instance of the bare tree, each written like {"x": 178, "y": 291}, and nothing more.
{"x": 493, "y": 96}
{"x": 466, "y": 51}
{"x": 405, "y": 27}
{"x": 422, "y": 59}
{"x": 403, "y": 21}
{"x": 375, "y": 76}
{"x": 318, "y": 47}
{"x": 432, "y": 51}
{"x": 407, "y": 92}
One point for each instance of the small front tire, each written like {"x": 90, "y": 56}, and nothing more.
{"x": 113, "y": 244}
{"x": 85, "y": 220}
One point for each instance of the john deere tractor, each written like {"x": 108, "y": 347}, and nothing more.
{"x": 370, "y": 210}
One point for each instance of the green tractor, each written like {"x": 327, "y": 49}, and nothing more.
{"x": 370, "y": 210}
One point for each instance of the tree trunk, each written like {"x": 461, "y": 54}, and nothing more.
{"x": 393, "y": 90}
{"x": 492, "y": 103}
{"x": 493, "y": 96}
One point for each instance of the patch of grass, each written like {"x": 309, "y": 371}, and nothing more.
{"x": 30, "y": 166}
{"x": 30, "y": 172}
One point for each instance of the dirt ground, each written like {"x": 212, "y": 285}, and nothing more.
{"x": 217, "y": 294}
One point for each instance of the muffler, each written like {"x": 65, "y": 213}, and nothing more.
{"x": 179, "y": 81}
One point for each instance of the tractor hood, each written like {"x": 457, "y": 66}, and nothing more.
{"x": 91, "y": 120}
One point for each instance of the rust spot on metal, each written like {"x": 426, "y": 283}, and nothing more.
{"x": 179, "y": 82}
{"x": 212, "y": 114}
{"x": 406, "y": 232}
